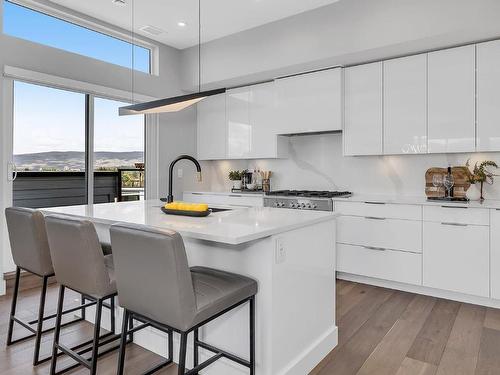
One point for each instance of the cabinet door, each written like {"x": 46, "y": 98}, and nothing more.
{"x": 310, "y": 102}
{"x": 363, "y": 110}
{"x": 456, "y": 258}
{"x": 265, "y": 142}
{"x": 239, "y": 128}
{"x": 488, "y": 92}
{"x": 405, "y": 105}
{"x": 451, "y": 100}
{"x": 495, "y": 254}
{"x": 211, "y": 133}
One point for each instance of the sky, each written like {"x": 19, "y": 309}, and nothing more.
{"x": 48, "y": 119}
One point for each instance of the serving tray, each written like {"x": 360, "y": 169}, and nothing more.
{"x": 186, "y": 213}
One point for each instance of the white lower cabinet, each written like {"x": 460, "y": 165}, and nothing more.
{"x": 456, "y": 257}
{"x": 495, "y": 253}
{"x": 393, "y": 234}
{"x": 390, "y": 265}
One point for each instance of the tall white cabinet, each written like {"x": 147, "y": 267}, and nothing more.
{"x": 363, "y": 110}
{"x": 488, "y": 94}
{"x": 405, "y": 105}
{"x": 211, "y": 129}
{"x": 451, "y": 100}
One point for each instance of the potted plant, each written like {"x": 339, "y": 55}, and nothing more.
{"x": 480, "y": 174}
{"x": 235, "y": 176}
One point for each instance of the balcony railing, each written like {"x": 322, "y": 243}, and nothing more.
{"x": 50, "y": 189}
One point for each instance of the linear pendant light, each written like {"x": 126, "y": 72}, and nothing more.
{"x": 176, "y": 103}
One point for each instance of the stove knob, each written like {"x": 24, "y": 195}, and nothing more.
{"x": 309, "y": 206}
{"x": 282, "y": 204}
{"x": 303, "y": 205}
{"x": 291, "y": 205}
{"x": 314, "y": 206}
{"x": 275, "y": 204}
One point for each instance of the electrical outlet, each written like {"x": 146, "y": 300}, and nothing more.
{"x": 180, "y": 173}
{"x": 280, "y": 251}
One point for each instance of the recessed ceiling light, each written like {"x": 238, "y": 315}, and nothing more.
{"x": 182, "y": 24}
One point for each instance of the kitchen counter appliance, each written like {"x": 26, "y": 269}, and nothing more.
{"x": 303, "y": 199}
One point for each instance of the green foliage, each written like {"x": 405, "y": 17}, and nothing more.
{"x": 235, "y": 175}
{"x": 481, "y": 173}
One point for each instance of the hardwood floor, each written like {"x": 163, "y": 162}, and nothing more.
{"x": 387, "y": 332}
{"x": 381, "y": 332}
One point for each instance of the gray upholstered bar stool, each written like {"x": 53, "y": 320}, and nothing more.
{"x": 156, "y": 287}
{"x": 30, "y": 251}
{"x": 80, "y": 265}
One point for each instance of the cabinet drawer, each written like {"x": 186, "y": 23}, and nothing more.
{"x": 388, "y": 265}
{"x": 456, "y": 214}
{"x": 405, "y": 235}
{"x": 456, "y": 258}
{"x": 379, "y": 209}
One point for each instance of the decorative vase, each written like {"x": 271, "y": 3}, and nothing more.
{"x": 237, "y": 185}
{"x": 473, "y": 192}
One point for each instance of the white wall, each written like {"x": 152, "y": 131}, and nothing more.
{"x": 24, "y": 54}
{"x": 316, "y": 162}
{"x": 346, "y": 32}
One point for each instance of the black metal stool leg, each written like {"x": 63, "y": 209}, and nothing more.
{"x": 252, "y": 335}
{"x": 39, "y": 327}
{"x": 57, "y": 330}
{"x": 97, "y": 330}
{"x": 13, "y": 306}
{"x": 196, "y": 351}
{"x": 113, "y": 317}
{"x": 182, "y": 354}
{"x": 84, "y": 310}
{"x": 123, "y": 342}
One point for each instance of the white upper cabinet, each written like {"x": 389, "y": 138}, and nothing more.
{"x": 239, "y": 129}
{"x": 451, "y": 100}
{"x": 363, "y": 110}
{"x": 251, "y": 125}
{"x": 308, "y": 103}
{"x": 488, "y": 94}
{"x": 211, "y": 130}
{"x": 405, "y": 105}
{"x": 265, "y": 143}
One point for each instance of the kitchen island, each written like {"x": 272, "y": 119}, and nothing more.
{"x": 291, "y": 253}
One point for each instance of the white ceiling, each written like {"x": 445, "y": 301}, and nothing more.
{"x": 219, "y": 17}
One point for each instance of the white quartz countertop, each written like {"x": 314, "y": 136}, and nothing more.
{"x": 231, "y": 227}
{"x": 392, "y": 199}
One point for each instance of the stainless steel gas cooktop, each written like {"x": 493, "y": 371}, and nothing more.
{"x": 303, "y": 199}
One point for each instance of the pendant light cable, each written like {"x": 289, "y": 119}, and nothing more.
{"x": 199, "y": 45}
{"x": 133, "y": 50}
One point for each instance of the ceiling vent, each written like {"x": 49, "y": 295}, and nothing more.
{"x": 151, "y": 30}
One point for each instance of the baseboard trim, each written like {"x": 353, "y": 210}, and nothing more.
{"x": 27, "y": 281}
{"x": 418, "y": 289}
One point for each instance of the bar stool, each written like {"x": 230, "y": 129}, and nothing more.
{"x": 80, "y": 265}
{"x": 30, "y": 251}
{"x": 157, "y": 288}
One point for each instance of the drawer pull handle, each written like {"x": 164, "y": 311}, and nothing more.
{"x": 374, "y": 218}
{"x": 374, "y": 248}
{"x": 197, "y": 193}
{"x": 374, "y": 202}
{"x": 454, "y": 207}
{"x": 236, "y": 196}
{"x": 455, "y": 224}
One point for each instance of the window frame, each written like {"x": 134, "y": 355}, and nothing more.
{"x": 81, "y": 20}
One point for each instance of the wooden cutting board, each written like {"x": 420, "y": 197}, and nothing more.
{"x": 461, "y": 182}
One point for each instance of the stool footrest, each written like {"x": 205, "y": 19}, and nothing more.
{"x": 223, "y": 353}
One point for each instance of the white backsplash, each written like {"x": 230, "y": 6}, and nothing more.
{"x": 316, "y": 163}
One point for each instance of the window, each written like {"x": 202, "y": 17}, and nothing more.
{"x": 41, "y": 28}
{"x": 51, "y": 149}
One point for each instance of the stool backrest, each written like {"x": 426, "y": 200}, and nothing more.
{"x": 28, "y": 240}
{"x": 152, "y": 274}
{"x": 77, "y": 255}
